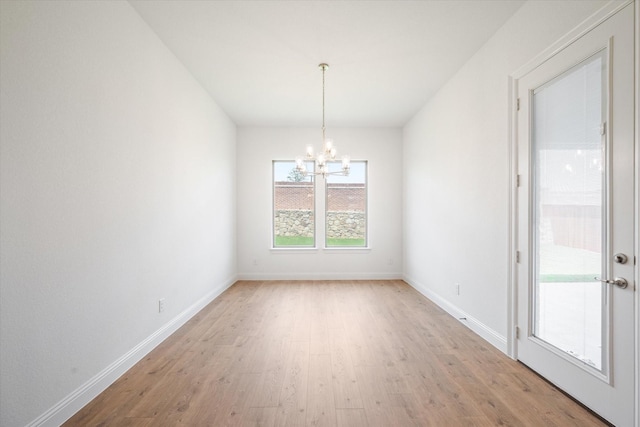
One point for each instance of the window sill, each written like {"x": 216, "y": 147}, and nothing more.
{"x": 353, "y": 250}
{"x": 293, "y": 250}
{"x": 337, "y": 250}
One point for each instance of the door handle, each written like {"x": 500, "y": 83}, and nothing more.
{"x": 620, "y": 282}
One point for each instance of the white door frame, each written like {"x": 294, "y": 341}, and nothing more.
{"x": 593, "y": 21}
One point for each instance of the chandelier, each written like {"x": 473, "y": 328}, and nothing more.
{"x": 327, "y": 153}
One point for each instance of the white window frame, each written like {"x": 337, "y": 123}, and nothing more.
{"x": 273, "y": 212}
{"x": 366, "y": 209}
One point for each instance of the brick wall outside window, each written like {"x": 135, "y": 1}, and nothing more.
{"x": 347, "y": 197}
{"x": 299, "y": 195}
{"x": 293, "y": 195}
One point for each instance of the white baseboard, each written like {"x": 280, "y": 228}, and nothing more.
{"x": 67, "y": 407}
{"x": 485, "y": 332}
{"x": 319, "y": 276}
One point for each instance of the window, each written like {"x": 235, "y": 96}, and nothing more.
{"x": 346, "y": 206}
{"x": 293, "y": 206}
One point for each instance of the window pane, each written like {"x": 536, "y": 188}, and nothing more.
{"x": 293, "y": 206}
{"x": 568, "y": 113}
{"x": 346, "y": 207}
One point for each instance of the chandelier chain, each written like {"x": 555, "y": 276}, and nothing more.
{"x": 324, "y": 68}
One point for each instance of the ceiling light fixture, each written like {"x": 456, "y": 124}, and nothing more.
{"x": 328, "y": 152}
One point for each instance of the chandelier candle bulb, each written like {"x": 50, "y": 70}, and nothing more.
{"x": 328, "y": 145}
{"x": 346, "y": 162}
{"x": 300, "y": 166}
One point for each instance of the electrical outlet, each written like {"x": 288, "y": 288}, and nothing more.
{"x": 255, "y": 261}
{"x": 390, "y": 261}
{"x": 160, "y": 305}
{"x": 457, "y": 288}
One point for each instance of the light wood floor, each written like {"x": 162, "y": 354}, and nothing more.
{"x": 346, "y": 353}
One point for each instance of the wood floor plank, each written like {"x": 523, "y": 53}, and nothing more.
{"x": 137, "y": 422}
{"x": 351, "y": 417}
{"x": 318, "y": 319}
{"x": 490, "y": 405}
{"x": 259, "y": 417}
{"x": 272, "y": 376}
{"x": 292, "y": 404}
{"x": 235, "y": 403}
{"x": 376, "y": 400}
{"x": 321, "y": 410}
{"x": 343, "y": 353}
{"x": 346, "y": 390}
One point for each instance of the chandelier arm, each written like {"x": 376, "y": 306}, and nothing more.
{"x": 343, "y": 172}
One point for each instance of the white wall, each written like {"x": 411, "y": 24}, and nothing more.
{"x": 257, "y": 147}
{"x": 456, "y": 180}
{"x": 117, "y": 189}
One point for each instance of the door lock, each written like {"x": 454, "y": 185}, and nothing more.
{"x": 620, "y": 258}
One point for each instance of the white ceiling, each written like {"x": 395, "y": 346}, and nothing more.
{"x": 259, "y": 59}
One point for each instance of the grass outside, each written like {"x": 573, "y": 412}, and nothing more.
{"x": 301, "y": 241}
{"x": 345, "y": 242}
{"x": 293, "y": 241}
{"x": 567, "y": 278}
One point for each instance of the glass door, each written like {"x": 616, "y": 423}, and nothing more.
{"x": 575, "y": 228}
